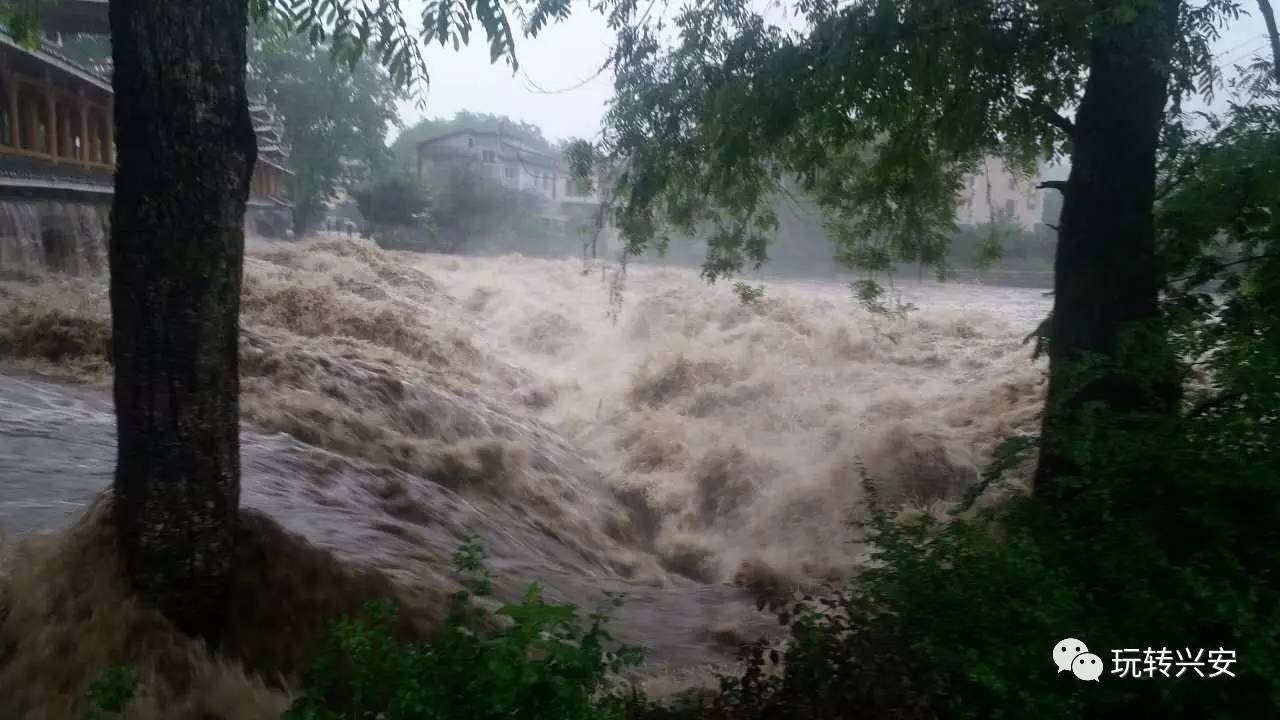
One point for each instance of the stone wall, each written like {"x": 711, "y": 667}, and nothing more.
{"x": 39, "y": 236}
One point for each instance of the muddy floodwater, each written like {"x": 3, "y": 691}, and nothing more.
{"x": 647, "y": 434}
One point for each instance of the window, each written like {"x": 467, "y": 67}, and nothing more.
{"x": 509, "y": 172}
{"x": 1008, "y": 207}
{"x": 489, "y": 156}
{"x": 1012, "y": 182}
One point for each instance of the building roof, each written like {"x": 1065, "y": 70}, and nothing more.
{"x": 278, "y": 166}
{"x": 50, "y": 56}
{"x": 506, "y": 140}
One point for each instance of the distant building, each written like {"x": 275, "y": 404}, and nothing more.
{"x": 995, "y": 194}
{"x": 516, "y": 165}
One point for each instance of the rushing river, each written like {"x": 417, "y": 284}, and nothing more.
{"x": 672, "y": 447}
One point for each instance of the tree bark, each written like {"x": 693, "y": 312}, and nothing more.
{"x": 1273, "y": 35}
{"x": 186, "y": 153}
{"x": 1107, "y": 278}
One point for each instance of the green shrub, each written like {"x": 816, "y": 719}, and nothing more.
{"x": 1168, "y": 541}
{"x": 544, "y": 663}
{"x": 112, "y": 692}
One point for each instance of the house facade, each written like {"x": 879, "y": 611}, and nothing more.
{"x": 996, "y": 194}
{"x": 57, "y": 125}
{"x": 515, "y": 165}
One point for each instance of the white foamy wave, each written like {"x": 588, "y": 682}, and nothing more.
{"x": 746, "y": 428}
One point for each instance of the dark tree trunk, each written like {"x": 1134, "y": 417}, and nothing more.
{"x": 1107, "y": 278}
{"x": 1269, "y": 17}
{"x": 186, "y": 149}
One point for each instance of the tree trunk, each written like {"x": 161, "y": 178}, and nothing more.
{"x": 1106, "y": 275}
{"x": 1273, "y": 35}
{"x": 186, "y": 152}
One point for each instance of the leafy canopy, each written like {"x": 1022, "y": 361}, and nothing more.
{"x": 380, "y": 29}
{"x": 336, "y": 118}
{"x": 877, "y": 108}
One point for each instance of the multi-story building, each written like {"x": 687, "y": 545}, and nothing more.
{"x": 516, "y": 165}
{"x": 995, "y": 194}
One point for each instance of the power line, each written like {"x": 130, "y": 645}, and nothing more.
{"x": 1259, "y": 36}
{"x": 536, "y": 88}
{"x": 1245, "y": 54}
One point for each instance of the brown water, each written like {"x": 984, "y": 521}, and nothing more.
{"x": 395, "y": 404}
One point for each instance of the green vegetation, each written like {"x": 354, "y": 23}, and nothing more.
{"x": 543, "y": 662}
{"x": 393, "y": 200}
{"x": 111, "y": 692}
{"x": 463, "y": 209}
{"x": 336, "y": 117}
{"x": 1156, "y": 505}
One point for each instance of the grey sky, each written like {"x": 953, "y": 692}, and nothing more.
{"x": 562, "y": 56}
{"x": 566, "y": 54}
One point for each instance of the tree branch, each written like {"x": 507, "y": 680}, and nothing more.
{"x": 1223, "y": 266}
{"x": 1057, "y": 120}
{"x": 1269, "y": 17}
{"x": 1059, "y": 185}
{"x": 1052, "y": 116}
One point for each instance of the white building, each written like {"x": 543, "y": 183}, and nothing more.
{"x": 995, "y": 194}
{"x": 516, "y": 165}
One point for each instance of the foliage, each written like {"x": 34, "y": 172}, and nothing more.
{"x": 112, "y": 691}
{"x": 405, "y": 146}
{"x": 877, "y": 109}
{"x": 470, "y": 208}
{"x": 393, "y": 200}
{"x": 1008, "y": 247}
{"x": 376, "y": 29}
{"x": 1166, "y": 545}
{"x": 336, "y": 118}
{"x": 379, "y": 28}
{"x": 1166, "y": 542}
{"x": 747, "y": 293}
{"x": 542, "y": 664}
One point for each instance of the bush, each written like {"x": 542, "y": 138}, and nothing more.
{"x": 397, "y": 200}
{"x": 473, "y": 210}
{"x": 1167, "y": 543}
{"x": 111, "y": 692}
{"x": 544, "y": 663}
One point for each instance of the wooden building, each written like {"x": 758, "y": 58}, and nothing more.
{"x": 57, "y": 128}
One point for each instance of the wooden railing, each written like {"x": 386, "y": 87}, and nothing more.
{"x": 64, "y": 127}
{"x": 50, "y": 123}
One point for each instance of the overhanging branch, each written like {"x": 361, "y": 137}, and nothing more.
{"x": 1052, "y": 116}
{"x": 1059, "y": 185}
{"x": 1057, "y": 120}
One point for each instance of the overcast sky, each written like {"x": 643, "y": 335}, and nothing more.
{"x": 566, "y": 54}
